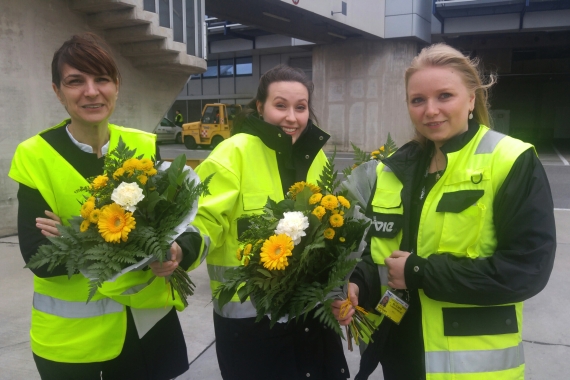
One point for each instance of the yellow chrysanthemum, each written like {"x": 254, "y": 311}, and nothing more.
{"x": 142, "y": 179}
{"x": 94, "y": 216}
{"x": 246, "y": 261}
{"x": 381, "y": 148}
{"x": 343, "y": 201}
{"x": 375, "y": 153}
{"x": 315, "y": 198}
{"x": 330, "y": 202}
{"x": 100, "y": 181}
{"x": 354, "y": 166}
{"x": 319, "y": 212}
{"x": 275, "y": 251}
{"x": 341, "y": 213}
{"x": 115, "y": 224}
{"x": 118, "y": 173}
{"x": 91, "y": 199}
{"x": 238, "y": 254}
{"x": 297, "y": 187}
{"x": 86, "y": 209}
{"x": 335, "y": 211}
{"x": 336, "y": 220}
{"x": 146, "y": 164}
{"x": 132, "y": 164}
{"x": 84, "y": 226}
{"x": 151, "y": 172}
{"x": 329, "y": 233}
{"x": 247, "y": 250}
{"x": 341, "y": 239}
{"x": 373, "y": 156}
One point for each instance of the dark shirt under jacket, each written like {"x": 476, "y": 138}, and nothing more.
{"x": 150, "y": 354}
{"x": 519, "y": 268}
{"x": 298, "y": 348}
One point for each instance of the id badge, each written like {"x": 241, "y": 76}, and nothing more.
{"x": 392, "y": 306}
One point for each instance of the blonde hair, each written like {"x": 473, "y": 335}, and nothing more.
{"x": 439, "y": 55}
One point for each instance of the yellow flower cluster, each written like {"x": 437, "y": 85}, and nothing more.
{"x": 244, "y": 254}
{"x": 113, "y": 222}
{"x": 132, "y": 165}
{"x": 297, "y": 187}
{"x": 374, "y": 155}
{"x": 336, "y": 206}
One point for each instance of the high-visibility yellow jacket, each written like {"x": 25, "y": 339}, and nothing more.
{"x": 246, "y": 173}
{"x": 64, "y": 328}
{"x": 460, "y": 341}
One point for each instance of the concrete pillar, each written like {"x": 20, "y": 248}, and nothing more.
{"x": 360, "y": 94}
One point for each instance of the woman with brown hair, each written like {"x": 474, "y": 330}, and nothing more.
{"x": 72, "y": 339}
{"x": 473, "y": 234}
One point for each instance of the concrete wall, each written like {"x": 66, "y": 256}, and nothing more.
{"x": 360, "y": 94}
{"x": 30, "y": 32}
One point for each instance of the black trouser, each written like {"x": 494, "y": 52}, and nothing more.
{"x": 159, "y": 355}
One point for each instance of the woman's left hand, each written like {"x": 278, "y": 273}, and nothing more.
{"x": 166, "y": 268}
{"x": 396, "y": 263}
{"x": 48, "y": 225}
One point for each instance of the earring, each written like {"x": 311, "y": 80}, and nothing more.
{"x": 470, "y": 115}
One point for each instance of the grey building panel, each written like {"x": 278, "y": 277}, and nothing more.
{"x": 399, "y": 7}
{"x": 398, "y": 26}
{"x": 547, "y": 20}
{"x": 423, "y": 8}
{"x": 230, "y": 45}
{"x": 269, "y": 61}
{"x": 421, "y": 28}
{"x": 227, "y": 86}
{"x": 245, "y": 85}
{"x": 195, "y": 87}
{"x": 210, "y": 86}
{"x": 482, "y": 24}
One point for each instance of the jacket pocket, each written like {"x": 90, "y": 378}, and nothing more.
{"x": 252, "y": 202}
{"x": 474, "y": 321}
{"x": 458, "y": 201}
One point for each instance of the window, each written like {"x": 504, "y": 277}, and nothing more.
{"x": 243, "y": 66}
{"x": 212, "y": 70}
{"x": 227, "y": 67}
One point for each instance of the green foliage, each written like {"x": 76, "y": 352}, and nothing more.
{"x": 361, "y": 156}
{"x": 317, "y": 266}
{"x": 168, "y": 199}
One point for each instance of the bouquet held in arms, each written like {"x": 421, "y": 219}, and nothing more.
{"x": 132, "y": 215}
{"x": 298, "y": 253}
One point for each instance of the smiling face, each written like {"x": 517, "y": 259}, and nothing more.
{"x": 286, "y": 106}
{"x": 89, "y": 99}
{"x": 439, "y": 103}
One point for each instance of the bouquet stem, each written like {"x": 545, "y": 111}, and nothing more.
{"x": 181, "y": 282}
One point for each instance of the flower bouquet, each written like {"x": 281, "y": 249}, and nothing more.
{"x": 133, "y": 213}
{"x": 381, "y": 153}
{"x": 298, "y": 253}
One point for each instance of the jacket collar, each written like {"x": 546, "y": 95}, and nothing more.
{"x": 309, "y": 143}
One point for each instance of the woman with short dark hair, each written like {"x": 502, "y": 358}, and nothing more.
{"x": 72, "y": 339}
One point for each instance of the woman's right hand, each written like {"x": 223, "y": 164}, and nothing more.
{"x": 48, "y": 225}
{"x": 336, "y": 305}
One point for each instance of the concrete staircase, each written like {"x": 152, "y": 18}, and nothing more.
{"x": 138, "y": 35}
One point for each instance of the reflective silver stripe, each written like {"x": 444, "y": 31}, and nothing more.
{"x": 236, "y": 309}
{"x": 138, "y": 288}
{"x": 191, "y": 228}
{"x": 216, "y": 272}
{"x": 474, "y": 361}
{"x": 383, "y": 272}
{"x": 489, "y": 142}
{"x": 75, "y": 309}
{"x": 206, "y": 250}
{"x": 386, "y": 169}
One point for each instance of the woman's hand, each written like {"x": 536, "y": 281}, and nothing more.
{"x": 48, "y": 225}
{"x": 336, "y": 305}
{"x": 167, "y": 267}
{"x": 396, "y": 263}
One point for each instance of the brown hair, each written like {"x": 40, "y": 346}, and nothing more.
{"x": 87, "y": 53}
{"x": 280, "y": 73}
{"x": 439, "y": 55}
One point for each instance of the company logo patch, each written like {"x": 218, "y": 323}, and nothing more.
{"x": 385, "y": 225}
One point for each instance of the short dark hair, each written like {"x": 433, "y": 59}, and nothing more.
{"x": 87, "y": 53}
{"x": 280, "y": 73}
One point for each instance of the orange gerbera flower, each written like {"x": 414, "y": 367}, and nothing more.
{"x": 115, "y": 224}
{"x": 275, "y": 251}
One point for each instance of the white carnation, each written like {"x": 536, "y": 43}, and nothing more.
{"x": 293, "y": 225}
{"x": 127, "y": 195}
